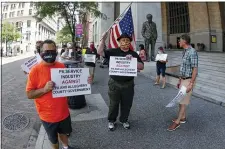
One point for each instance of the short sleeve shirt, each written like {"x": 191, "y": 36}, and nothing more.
{"x": 189, "y": 61}
{"x": 119, "y": 53}
{"x": 49, "y": 109}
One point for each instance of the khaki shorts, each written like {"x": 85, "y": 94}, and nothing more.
{"x": 187, "y": 98}
{"x": 91, "y": 69}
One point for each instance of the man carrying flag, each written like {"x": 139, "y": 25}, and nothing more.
{"x": 121, "y": 88}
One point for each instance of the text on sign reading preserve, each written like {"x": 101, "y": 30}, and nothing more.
{"x": 70, "y": 82}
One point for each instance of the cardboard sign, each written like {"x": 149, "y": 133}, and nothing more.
{"x": 121, "y": 66}
{"x": 31, "y": 63}
{"x": 70, "y": 82}
{"x": 161, "y": 57}
{"x": 90, "y": 58}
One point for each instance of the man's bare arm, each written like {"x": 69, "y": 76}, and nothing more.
{"x": 102, "y": 44}
{"x": 194, "y": 74}
{"x": 33, "y": 94}
{"x": 101, "y": 48}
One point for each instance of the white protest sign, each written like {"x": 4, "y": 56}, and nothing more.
{"x": 121, "y": 66}
{"x": 89, "y": 58}
{"x": 31, "y": 63}
{"x": 161, "y": 57}
{"x": 181, "y": 94}
{"x": 70, "y": 82}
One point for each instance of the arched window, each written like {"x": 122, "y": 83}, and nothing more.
{"x": 178, "y": 17}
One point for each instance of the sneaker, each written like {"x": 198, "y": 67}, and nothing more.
{"x": 173, "y": 127}
{"x": 126, "y": 125}
{"x": 156, "y": 83}
{"x": 163, "y": 86}
{"x": 111, "y": 126}
{"x": 182, "y": 121}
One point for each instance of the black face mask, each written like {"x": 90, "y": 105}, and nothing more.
{"x": 49, "y": 56}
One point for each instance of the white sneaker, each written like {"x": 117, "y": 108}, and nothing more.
{"x": 111, "y": 126}
{"x": 126, "y": 125}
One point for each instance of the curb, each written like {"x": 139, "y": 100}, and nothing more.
{"x": 41, "y": 138}
{"x": 208, "y": 99}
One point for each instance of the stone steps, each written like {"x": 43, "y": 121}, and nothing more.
{"x": 211, "y": 77}
{"x": 211, "y": 83}
{"x": 207, "y": 95}
{"x": 210, "y": 89}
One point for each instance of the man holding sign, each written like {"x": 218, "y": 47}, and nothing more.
{"x": 53, "y": 112}
{"x": 121, "y": 88}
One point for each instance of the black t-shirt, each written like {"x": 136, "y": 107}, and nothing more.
{"x": 119, "y": 53}
{"x": 160, "y": 64}
{"x": 94, "y": 52}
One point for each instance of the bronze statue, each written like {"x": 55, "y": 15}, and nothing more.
{"x": 149, "y": 32}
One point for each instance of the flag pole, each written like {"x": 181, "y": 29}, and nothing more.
{"x": 117, "y": 18}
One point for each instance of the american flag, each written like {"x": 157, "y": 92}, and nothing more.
{"x": 124, "y": 24}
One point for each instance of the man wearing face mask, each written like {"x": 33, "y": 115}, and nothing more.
{"x": 53, "y": 112}
{"x": 121, "y": 88}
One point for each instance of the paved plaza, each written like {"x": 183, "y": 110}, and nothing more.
{"x": 149, "y": 118}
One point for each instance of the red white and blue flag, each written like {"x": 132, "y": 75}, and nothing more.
{"x": 124, "y": 24}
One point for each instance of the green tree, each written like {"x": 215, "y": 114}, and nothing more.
{"x": 64, "y": 35}
{"x": 68, "y": 11}
{"x": 9, "y": 33}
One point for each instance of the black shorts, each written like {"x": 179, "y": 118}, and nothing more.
{"x": 52, "y": 129}
{"x": 161, "y": 70}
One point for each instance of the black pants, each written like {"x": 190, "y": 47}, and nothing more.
{"x": 52, "y": 129}
{"x": 120, "y": 94}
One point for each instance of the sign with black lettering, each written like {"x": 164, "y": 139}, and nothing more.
{"x": 70, "y": 82}
{"x": 31, "y": 63}
{"x": 89, "y": 58}
{"x": 121, "y": 66}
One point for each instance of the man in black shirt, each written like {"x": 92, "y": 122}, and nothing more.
{"x": 121, "y": 88}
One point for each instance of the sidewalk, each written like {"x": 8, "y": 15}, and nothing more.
{"x": 6, "y": 60}
{"x": 149, "y": 120}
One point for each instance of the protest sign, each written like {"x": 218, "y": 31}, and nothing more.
{"x": 181, "y": 94}
{"x": 31, "y": 63}
{"x": 70, "y": 82}
{"x": 121, "y": 66}
{"x": 161, "y": 57}
{"x": 89, "y": 58}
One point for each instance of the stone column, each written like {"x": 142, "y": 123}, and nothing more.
{"x": 103, "y": 25}
{"x": 215, "y": 19}
{"x": 199, "y": 23}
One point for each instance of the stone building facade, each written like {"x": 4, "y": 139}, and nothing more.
{"x": 205, "y": 22}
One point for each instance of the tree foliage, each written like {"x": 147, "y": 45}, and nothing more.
{"x": 63, "y": 36}
{"x": 68, "y": 11}
{"x": 9, "y": 32}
